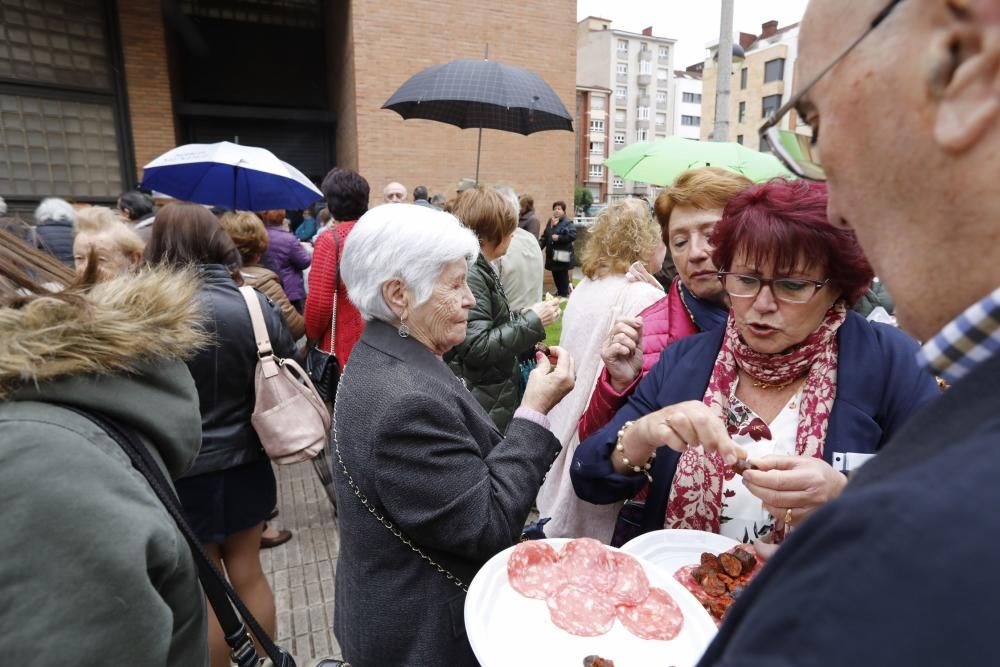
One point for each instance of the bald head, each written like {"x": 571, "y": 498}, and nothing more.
{"x": 908, "y": 129}
{"x": 394, "y": 193}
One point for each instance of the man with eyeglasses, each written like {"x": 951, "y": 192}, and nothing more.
{"x": 905, "y": 121}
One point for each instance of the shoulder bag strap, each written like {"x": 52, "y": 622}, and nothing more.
{"x": 381, "y": 518}
{"x": 336, "y": 290}
{"x": 264, "y": 352}
{"x": 217, "y": 589}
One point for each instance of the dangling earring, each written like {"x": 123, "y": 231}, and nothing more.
{"x": 404, "y": 331}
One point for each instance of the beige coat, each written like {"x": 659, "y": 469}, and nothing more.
{"x": 267, "y": 282}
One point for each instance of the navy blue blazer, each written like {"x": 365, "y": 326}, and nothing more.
{"x": 879, "y": 385}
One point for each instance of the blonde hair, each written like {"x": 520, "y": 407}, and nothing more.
{"x": 100, "y": 220}
{"x": 702, "y": 188}
{"x": 248, "y": 233}
{"x": 487, "y": 213}
{"x": 623, "y": 234}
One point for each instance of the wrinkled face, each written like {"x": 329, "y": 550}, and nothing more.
{"x": 394, "y": 193}
{"x": 769, "y": 325}
{"x": 111, "y": 261}
{"x": 558, "y": 211}
{"x": 688, "y": 232}
{"x": 440, "y": 322}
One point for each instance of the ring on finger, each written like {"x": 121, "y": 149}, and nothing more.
{"x": 788, "y": 519}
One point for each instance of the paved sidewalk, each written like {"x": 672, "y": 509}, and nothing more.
{"x": 301, "y": 571}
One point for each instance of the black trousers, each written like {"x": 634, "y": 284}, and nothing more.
{"x": 561, "y": 279}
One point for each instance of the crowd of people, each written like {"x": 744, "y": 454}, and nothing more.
{"x": 749, "y": 396}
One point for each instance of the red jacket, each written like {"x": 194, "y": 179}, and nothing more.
{"x": 319, "y": 300}
{"x": 664, "y": 322}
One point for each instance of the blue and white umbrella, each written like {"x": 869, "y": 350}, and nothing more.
{"x": 231, "y": 176}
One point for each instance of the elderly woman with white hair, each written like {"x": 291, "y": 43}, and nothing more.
{"x": 105, "y": 244}
{"x": 54, "y": 228}
{"x": 429, "y": 488}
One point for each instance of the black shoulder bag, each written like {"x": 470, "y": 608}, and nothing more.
{"x": 220, "y": 594}
{"x": 323, "y": 367}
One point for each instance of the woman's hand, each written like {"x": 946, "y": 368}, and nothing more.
{"x": 802, "y": 484}
{"x": 679, "y": 426}
{"x": 547, "y": 311}
{"x": 548, "y": 384}
{"x": 622, "y": 352}
{"x": 555, "y": 237}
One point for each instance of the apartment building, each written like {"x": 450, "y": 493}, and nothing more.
{"x": 592, "y": 105}
{"x": 687, "y": 104}
{"x": 638, "y": 70}
{"x": 759, "y": 84}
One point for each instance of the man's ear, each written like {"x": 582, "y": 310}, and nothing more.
{"x": 962, "y": 72}
{"x": 394, "y": 293}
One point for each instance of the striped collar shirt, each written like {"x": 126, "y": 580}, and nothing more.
{"x": 967, "y": 341}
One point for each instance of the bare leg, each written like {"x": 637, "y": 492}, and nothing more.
{"x": 241, "y": 554}
{"x": 218, "y": 650}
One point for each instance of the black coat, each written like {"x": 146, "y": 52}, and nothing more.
{"x": 566, "y": 231}
{"x": 428, "y": 457}
{"x": 56, "y": 238}
{"x": 224, "y": 372}
{"x": 891, "y": 572}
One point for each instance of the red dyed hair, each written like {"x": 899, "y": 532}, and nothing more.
{"x": 784, "y": 222}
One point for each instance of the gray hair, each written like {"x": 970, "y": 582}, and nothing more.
{"x": 54, "y": 208}
{"x": 405, "y": 241}
{"x": 510, "y": 195}
{"x": 3, "y": 207}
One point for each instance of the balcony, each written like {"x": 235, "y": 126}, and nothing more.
{"x": 644, "y": 78}
{"x": 664, "y": 60}
{"x": 642, "y": 123}
{"x": 621, "y": 101}
{"x": 621, "y": 78}
{"x": 646, "y": 54}
{"x": 642, "y": 100}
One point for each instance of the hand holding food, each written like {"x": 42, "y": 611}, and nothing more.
{"x": 547, "y": 311}
{"x": 801, "y": 484}
{"x": 621, "y": 352}
{"x": 547, "y": 385}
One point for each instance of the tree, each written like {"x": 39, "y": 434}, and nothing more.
{"x": 583, "y": 200}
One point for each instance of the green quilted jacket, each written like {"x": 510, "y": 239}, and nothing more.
{"x": 487, "y": 359}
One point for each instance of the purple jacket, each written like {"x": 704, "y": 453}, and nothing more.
{"x": 286, "y": 257}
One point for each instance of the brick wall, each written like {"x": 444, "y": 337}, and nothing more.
{"x": 147, "y": 79}
{"x": 390, "y": 46}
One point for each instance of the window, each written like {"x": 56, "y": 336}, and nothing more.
{"x": 642, "y": 113}
{"x": 691, "y": 98}
{"x": 774, "y": 70}
{"x": 621, "y": 92}
{"x": 661, "y": 98}
{"x": 743, "y": 79}
{"x": 597, "y": 102}
{"x": 621, "y": 68}
{"x": 662, "y": 74}
{"x": 643, "y": 91}
{"x": 641, "y": 135}
{"x": 596, "y": 171}
{"x": 597, "y": 126}
{"x": 743, "y": 112}
{"x": 619, "y": 138}
{"x": 739, "y": 139}
{"x": 664, "y": 52}
{"x": 620, "y": 117}
{"x": 661, "y": 120}
{"x": 643, "y": 47}
{"x": 618, "y": 183}
{"x": 691, "y": 121}
{"x": 622, "y": 46}
{"x": 645, "y": 67}
{"x": 764, "y": 146}
{"x": 597, "y": 147}
{"x": 770, "y": 105}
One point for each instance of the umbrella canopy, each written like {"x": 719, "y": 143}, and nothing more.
{"x": 482, "y": 94}
{"x": 660, "y": 162}
{"x": 231, "y": 176}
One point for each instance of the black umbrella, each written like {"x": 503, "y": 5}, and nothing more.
{"x": 482, "y": 94}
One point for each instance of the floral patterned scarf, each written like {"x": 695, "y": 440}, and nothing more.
{"x": 696, "y": 492}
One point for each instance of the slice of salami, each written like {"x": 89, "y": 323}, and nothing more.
{"x": 581, "y": 611}
{"x": 533, "y": 570}
{"x": 658, "y": 617}
{"x": 631, "y": 583}
{"x": 588, "y": 563}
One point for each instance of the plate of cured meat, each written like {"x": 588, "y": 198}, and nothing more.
{"x": 715, "y": 569}
{"x": 554, "y": 602}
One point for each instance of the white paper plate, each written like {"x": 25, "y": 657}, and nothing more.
{"x": 506, "y": 628}
{"x": 671, "y": 549}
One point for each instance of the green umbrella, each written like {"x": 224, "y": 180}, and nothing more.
{"x": 662, "y": 161}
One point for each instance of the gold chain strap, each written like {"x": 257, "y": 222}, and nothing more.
{"x": 381, "y": 517}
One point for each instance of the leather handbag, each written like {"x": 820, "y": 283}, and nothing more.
{"x": 289, "y": 416}
{"x": 323, "y": 367}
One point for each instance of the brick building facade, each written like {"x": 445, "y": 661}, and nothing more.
{"x": 304, "y": 78}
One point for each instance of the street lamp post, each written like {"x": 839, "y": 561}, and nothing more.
{"x": 723, "y": 81}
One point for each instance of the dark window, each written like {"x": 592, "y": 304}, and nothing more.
{"x": 739, "y": 139}
{"x": 743, "y": 111}
{"x": 774, "y": 70}
{"x": 692, "y": 121}
{"x": 770, "y": 105}
{"x": 764, "y": 146}
{"x": 743, "y": 79}
{"x": 691, "y": 98}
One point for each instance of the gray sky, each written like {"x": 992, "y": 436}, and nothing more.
{"x": 691, "y": 22}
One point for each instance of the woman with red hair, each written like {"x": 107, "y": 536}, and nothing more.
{"x": 807, "y": 388}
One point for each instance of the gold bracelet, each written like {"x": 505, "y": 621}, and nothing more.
{"x": 620, "y": 447}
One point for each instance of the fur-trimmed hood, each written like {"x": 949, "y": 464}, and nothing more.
{"x": 118, "y": 326}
